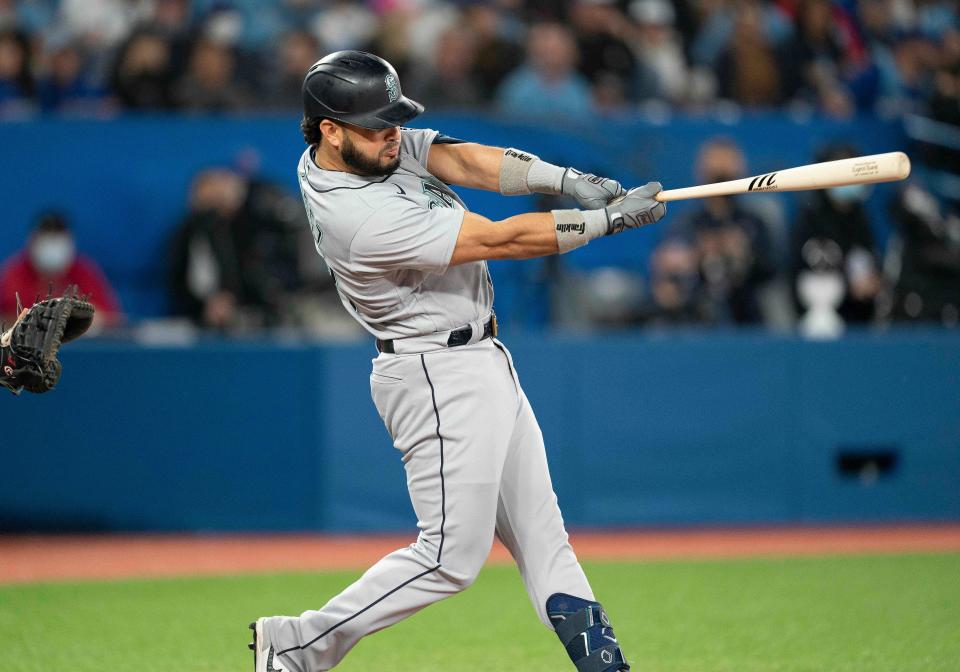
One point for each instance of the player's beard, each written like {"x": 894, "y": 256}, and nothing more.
{"x": 364, "y": 164}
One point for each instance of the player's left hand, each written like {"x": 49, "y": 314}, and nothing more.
{"x": 590, "y": 191}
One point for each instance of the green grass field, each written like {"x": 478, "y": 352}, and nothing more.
{"x": 847, "y": 613}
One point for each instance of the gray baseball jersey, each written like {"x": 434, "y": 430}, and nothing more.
{"x": 388, "y": 242}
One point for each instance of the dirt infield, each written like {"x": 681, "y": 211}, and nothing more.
{"x": 43, "y": 558}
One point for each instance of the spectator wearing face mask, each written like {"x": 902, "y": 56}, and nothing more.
{"x": 50, "y": 264}
{"x": 235, "y": 258}
{"x": 143, "y": 71}
{"x": 676, "y": 294}
{"x": 832, "y": 238}
{"x": 732, "y": 245}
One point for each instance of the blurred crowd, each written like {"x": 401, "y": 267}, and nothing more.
{"x": 242, "y": 258}
{"x": 521, "y": 56}
{"x": 733, "y": 261}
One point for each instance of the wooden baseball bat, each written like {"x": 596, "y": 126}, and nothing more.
{"x": 858, "y": 170}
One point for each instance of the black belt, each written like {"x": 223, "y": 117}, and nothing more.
{"x": 457, "y": 337}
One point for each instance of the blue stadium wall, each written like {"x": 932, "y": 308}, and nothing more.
{"x": 125, "y": 182}
{"x": 679, "y": 429}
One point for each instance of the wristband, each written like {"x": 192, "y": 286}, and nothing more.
{"x": 576, "y": 228}
{"x": 524, "y": 173}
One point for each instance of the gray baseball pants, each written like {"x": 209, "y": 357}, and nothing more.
{"x": 476, "y": 467}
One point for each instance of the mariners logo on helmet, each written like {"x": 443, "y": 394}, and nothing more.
{"x": 393, "y": 88}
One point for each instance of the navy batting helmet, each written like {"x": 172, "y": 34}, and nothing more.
{"x": 357, "y": 88}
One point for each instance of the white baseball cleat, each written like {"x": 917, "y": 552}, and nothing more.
{"x": 265, "y": 657}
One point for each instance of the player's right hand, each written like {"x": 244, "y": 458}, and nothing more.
{"x": 635, "y": 208}
{"x": 591, "y": 192}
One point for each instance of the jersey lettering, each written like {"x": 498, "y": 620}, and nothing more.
{"x": 438, "y": 197}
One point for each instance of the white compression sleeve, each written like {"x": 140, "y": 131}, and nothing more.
{"x": 576, "y": 228}
{"x": 524, "y": 173}
{"x": 545, "y": 178}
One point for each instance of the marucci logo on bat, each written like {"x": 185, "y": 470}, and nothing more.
{"x": 763, "y": 183}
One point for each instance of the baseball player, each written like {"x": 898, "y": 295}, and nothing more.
{"x": 408, "y": 258}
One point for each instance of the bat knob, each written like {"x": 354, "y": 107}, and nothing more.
{"x": 903, "y": 166}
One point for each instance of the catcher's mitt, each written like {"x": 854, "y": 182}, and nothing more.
{"x": 28, "y": 350}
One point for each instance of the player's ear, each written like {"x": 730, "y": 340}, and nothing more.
{"x": 332, "y": 133}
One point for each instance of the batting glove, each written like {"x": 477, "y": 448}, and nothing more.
{"x": 635, "y": 209}
{"x": 591, "y": 191}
